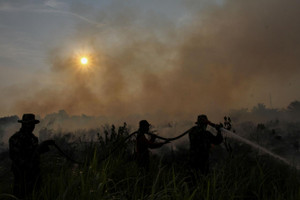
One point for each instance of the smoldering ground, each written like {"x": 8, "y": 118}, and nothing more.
{"x": 224, "y": 56}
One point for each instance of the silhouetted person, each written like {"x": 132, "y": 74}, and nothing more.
{"x": 200, "y": 143}
{"x": 143, "y": 145}
{"x": 24, "y": 151}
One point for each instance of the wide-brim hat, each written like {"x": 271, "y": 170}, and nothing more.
{"x": 202, "y": 119}
{"x": 29, "y": 119}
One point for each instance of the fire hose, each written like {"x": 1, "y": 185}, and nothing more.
{"x": 128, "y": 137}
{"x": 159, "y": 137}
{"x": 183, "y": 134}
{"x": 65, "y": 155}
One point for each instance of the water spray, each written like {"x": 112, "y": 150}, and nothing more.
{"x": 256, "y": 146}
{"x": 228, "y": 132}
{"x": 252, "y": 144}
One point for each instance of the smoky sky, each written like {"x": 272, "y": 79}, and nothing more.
{"x": 222, "y": 56}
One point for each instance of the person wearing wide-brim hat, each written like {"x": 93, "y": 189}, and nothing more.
{"x": 200, "y": 144}
{"x": 29, "y": 119}
{"x": 24, "y": 151}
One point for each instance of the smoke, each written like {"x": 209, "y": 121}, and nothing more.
{"x": 226, "y": 56}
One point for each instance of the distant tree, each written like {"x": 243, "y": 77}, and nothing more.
{"x": 239, "y": 114}
{"x": 294, "y": 106}
{"x": 6, "y": 121}
{"x": 260, "y": 108}
{"x": 261, "y": 112}
{"x": 293, "y": 110}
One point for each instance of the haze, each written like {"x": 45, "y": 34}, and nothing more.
{"x": 163, "y": 58}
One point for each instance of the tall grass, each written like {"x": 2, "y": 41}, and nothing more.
{"x": 241, "y": 176}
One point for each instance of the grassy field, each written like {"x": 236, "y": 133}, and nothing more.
{"x": 241, "y": 175}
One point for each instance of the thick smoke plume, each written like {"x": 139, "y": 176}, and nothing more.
{"x": 227, "y": 56}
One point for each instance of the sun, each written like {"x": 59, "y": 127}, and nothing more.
{"x": 84, "y": 60}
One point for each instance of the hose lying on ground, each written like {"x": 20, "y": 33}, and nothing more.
{"x": 65, "y": 155}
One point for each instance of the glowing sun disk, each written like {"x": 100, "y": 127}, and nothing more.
{"x": 84, "y": 60}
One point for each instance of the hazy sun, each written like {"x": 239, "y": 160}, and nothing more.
{"x": 84, "y": 60}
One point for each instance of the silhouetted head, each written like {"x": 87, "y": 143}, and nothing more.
{"x": 202, "y": 121}
{"x": 28, "y": 122}
{"x": 144, "y": 126}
